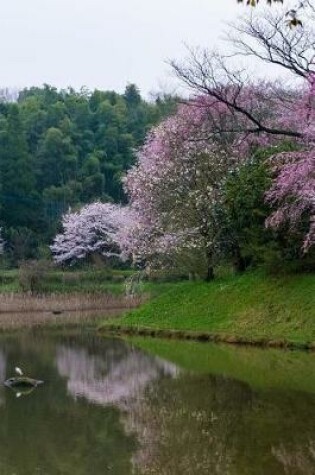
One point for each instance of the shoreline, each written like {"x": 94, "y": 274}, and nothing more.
{"x": 205, "y": 337}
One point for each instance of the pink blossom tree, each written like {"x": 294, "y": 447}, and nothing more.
{"x": 175, "y": 188}
{"x": 293, "y": 188}
{"x": 293, "y": 193}
{"x": 264, "y": 114}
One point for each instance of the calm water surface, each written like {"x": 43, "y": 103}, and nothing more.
{"x": 155, "y": 407}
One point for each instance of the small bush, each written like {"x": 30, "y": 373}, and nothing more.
{"x": 32, "y": 275}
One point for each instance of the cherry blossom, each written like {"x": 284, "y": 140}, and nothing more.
{"x": 293, "y": 192}
{"x": 93, "y": 229}
{"x": 176, "y": 185}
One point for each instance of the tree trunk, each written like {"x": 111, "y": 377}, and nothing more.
{"x": 210, "y": 269}
{"x": 210, "y": 274}
{"x": 239, "y": 263}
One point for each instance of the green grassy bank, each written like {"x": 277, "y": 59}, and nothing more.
{"x": 260, "y": 368}
{"x": 252, "y": 307}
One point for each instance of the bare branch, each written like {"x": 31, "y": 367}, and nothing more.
{"x": 208, "y": 74}
{"x": 267, "y": 38}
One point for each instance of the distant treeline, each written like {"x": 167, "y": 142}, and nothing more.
{"x": 61, "y": 149}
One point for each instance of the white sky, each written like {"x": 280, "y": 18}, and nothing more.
{"x": 104, "y": 43}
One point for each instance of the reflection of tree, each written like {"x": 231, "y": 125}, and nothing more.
{"x": 193, "y": 424}
{"x": 111, "y": 379}
{"x": 190, "y": 420}
{"x": 299, "y": 460}
{"x": 47, "y": 433}
{"x": 211, "y": 424}
{"x": 185, "y": 425}
{"x": 118, "y": 377}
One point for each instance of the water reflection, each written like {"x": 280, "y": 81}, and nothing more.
{"x": 119, "y": 377}
{"x": 47, "y": 433}
{"x": 108, "y": 407}
{"x": 3, "y": 368}
{"x": 296, "y": 460}
{"x": 113, "y": 378}
{"x": 187, "y": 423}
{"x": 220, "y": 425}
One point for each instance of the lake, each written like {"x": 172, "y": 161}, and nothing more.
{"x": 146, "y": 406}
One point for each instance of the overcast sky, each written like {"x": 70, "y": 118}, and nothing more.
{"x": 104, "y": 43}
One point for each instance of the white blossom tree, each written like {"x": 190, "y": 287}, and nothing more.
{"x": 92, "y": 230}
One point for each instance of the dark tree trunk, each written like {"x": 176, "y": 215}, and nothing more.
{"x": 239, "y": 263}
{"x": 210, "y": 274}
{"x": 210, "y": 269}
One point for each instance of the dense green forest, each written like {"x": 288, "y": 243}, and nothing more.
{"x": 63, "y": 148}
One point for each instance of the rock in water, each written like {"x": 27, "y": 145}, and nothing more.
{"x": 22, "y": 381}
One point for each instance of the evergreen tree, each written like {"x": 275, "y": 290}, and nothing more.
{"x": 19, "y": 197}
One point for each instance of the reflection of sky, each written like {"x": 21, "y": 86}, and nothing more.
{"x": 106, "y": 380}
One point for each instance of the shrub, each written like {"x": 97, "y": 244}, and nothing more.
{"x": 32, "y": 275}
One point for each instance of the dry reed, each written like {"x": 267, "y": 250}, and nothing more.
{"x": 26, "y": 310}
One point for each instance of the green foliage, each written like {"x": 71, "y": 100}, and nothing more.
{"x": 21, "y": 243}
{"x": 246, "y": 212}
{"x": 66, "y": 148}
{"x": 18, "y": 193}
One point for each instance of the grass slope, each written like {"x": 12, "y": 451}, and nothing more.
{"x": 252, "y": 305}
